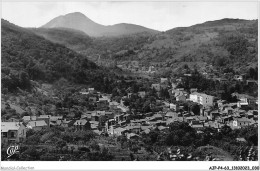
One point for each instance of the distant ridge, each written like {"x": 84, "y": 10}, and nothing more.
{"x": 80, "y": 22}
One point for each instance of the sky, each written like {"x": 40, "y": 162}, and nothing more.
{"x": 160, "y": 16}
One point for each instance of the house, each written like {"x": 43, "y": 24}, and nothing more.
{"x": 226, "y": 119}
{"x": 119, "y": 117}
{"x": 94, "y": 116}
{"x": 84, "y": 92}
{"x": 46, "y": 118}
{"x": 249, "y": 115}
{"x": 132, "y": 136}
{"x": 141, "y": 94}
{"x": 82, "y": 125}
{"x": 55, "y": 120}
{"x": 109, "y": 115}
{"x": 242, "y": 102}
{"x": 134, "y": 129}
{"x": 162, "y": 128}
{"x": 86, "y": 116}
{"x": 174, "y": 85}
{"x": 201, "y": 98}
{"x": 179, "y": 92}
{"x": 174, "y": 107}
{"x": 92, "y": 99}
{"x": 143, "y": 128}
{"x": 170, "y": 115}
{"x": 67, "y": 123}
{"x": 157, "y": 123}
{"x": 102, "y": 103}
{"x": 238, "y": 77}
{"x": 196, "y": 124}
{"x": 241, "y": 140}
{"x": 94, "y": 127}
{"x": 12, "y": 132}
{"x": 37, "y": 125}
{"x": 12, "y": 120}
{"x": 245, "y": 98}
{"x": 202, "y": 118}
{"x": 214, "y": 124}
{"x": 228, "y": 110}
{"x": 129, "y": 95}
{"x": 221, "y": 102}
{"x": 123, "y": 108}
{"x": 106, "y": 97}
{"x": 251, "y": 82}
{"x": 157, "y": 87}
{"x": 240, "y": 122}
{"x": 187, "y": 75}
{"x": 177, "y": 119}
{"x": 214, "y": 115}
{"x": 91, "y": 90}
{"x": 189, "y": 119}
{"x": 158, "y": 116}
{"x": 151, "y": 69}
{"x": 109, "y": 123}
{"x": 181, "y": 98}
{"x": 113, "y": 105}
{"x": 71, "y": 115}
{"x": 192, "y": 90}
{"x": 164, "y": 80}
{"x": 147, "y": 131}
{"x": 118, "y": 131}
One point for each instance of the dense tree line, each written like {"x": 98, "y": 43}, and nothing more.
{"x": 181, "y": 134}
{"x": 216, "y": 88}
{"x": 38, "y": 59}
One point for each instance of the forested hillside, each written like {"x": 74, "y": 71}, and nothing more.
{"x": 226, "y": 43}
{"x": 26, "y": 56}
{"x": 72, "y": 39}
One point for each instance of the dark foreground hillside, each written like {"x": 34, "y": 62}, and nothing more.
{"x": 26, "y": 56}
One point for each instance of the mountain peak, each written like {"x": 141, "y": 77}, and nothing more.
{"x": 76, "y": 15}
{"x": 79, "y": 21}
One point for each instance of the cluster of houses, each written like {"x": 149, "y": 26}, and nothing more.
{"x": 115, "y": 119}
{"x": 136, "y": 67}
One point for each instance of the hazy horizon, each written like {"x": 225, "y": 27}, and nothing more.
{"x": 159, "y": 16}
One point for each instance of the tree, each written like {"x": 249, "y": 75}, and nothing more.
{"x": 31, "y": 154}
{"x": 24, "y": 81}
{"x": 29, "y": 133}
{"x": 195, "y": 108}
{"x": 94, "y": 146}
{"x": 60, "y": 144}
{"x": 225, "y": 130}
{"x": 134, "y": 148}
{"x": 132, "y": 156}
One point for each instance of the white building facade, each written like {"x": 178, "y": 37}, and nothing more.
{"x": 201, "y": 98}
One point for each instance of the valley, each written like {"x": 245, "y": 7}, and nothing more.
{"x": 76, "y": 90}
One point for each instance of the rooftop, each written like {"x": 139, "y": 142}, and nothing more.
{"x": 37, "y": 123}
{"x": 6, "y": 126}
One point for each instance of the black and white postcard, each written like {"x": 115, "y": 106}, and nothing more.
{"x": 125, "y": 81}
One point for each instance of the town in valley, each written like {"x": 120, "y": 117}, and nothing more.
{"x": 128, "y": 93}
